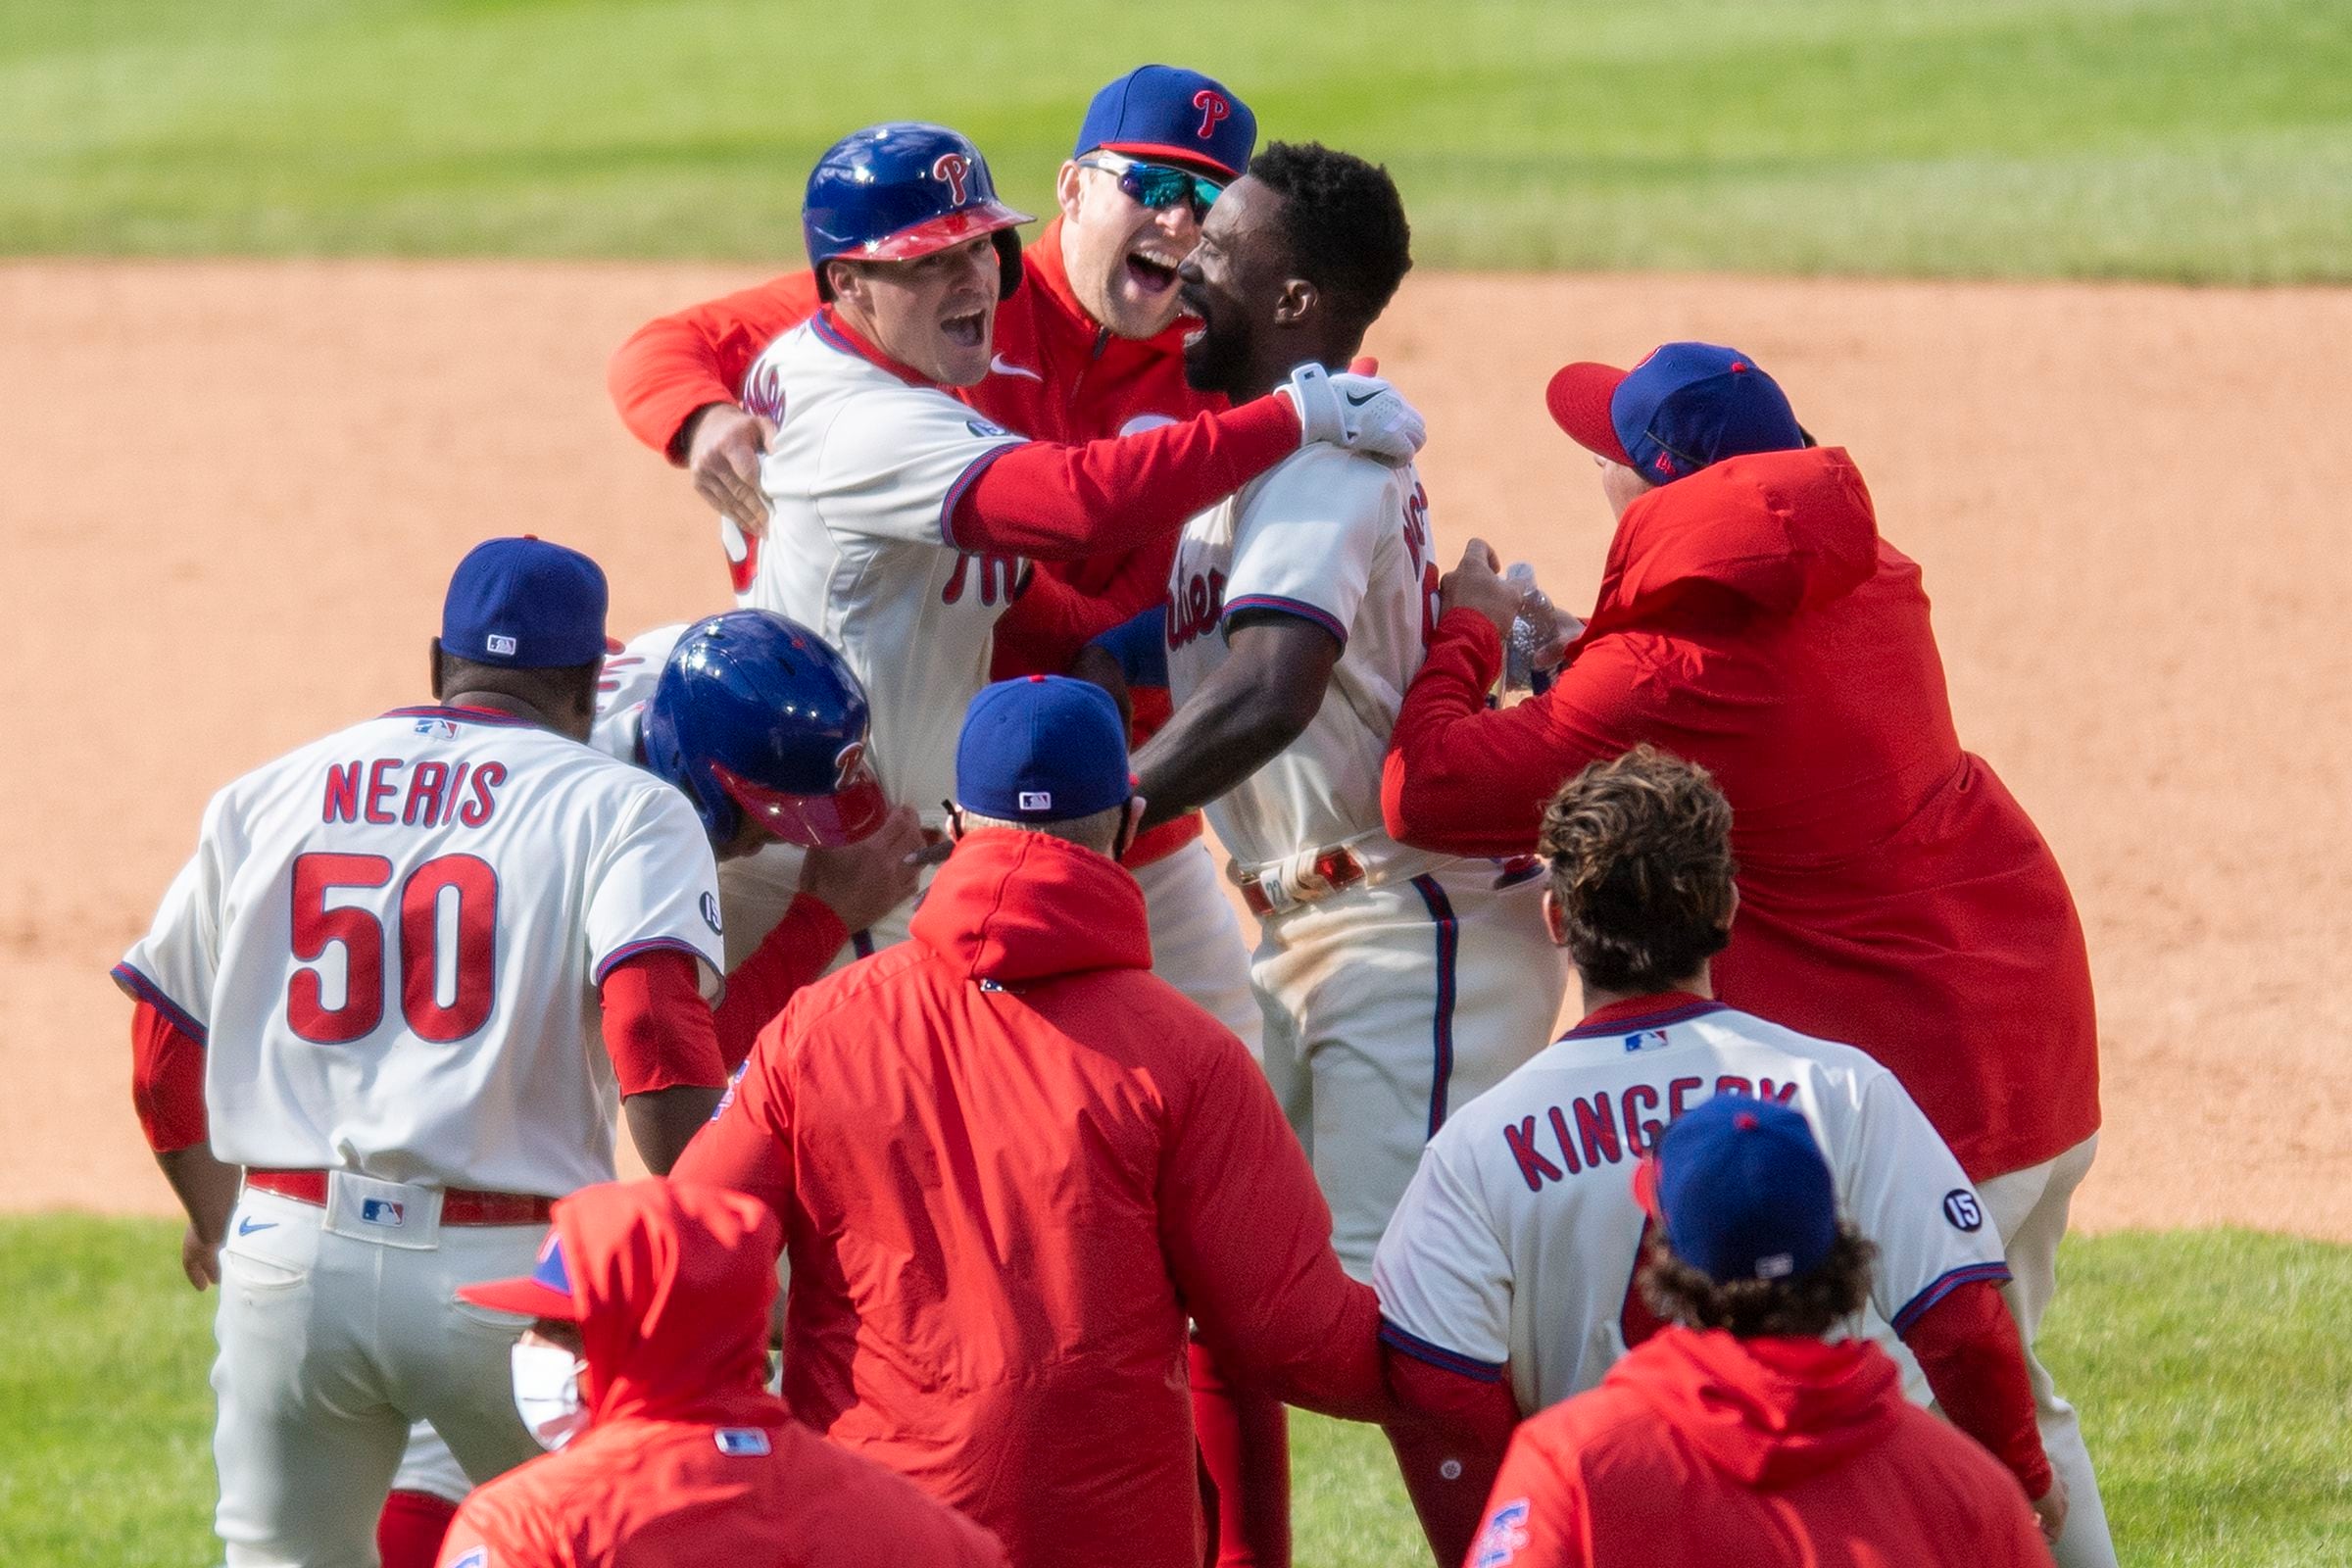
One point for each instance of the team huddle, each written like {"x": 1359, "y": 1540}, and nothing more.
{"x": 880, "y": 909}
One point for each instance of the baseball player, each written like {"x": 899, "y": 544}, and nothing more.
{"x": 901, "y": 520}
{"x": 1741, "y": 1432}
{"x": 1397, "y": 984}
{"x": 394, "y": 992}
{"x": 1505, "y": 1278}
{"x": 1087, "y": 347}
{"x": 764, "y": 728}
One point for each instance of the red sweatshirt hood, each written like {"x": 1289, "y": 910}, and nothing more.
{"x": 1783, "y": 530}
{"x": 676, "y": 1280}
{"x": 1766, "y": 1412}
{"x": 1009, "y": 906}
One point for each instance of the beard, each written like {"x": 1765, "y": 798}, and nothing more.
{"x": 1217, "y": 359}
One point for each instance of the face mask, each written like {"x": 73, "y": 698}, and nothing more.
{"x": 547, "y": 1392}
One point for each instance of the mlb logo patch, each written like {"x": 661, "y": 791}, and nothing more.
{"x": 439, "y": 729}
{"x": 1036, "y": 800}
{"x": 383, "y": 1211}
{"x": 498, "y": 644}
{"x": 1646, "y": 1040}
{"x": 740, "y": 1441}
{"x": 1505, "y": 1534}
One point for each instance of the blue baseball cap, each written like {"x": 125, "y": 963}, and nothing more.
{"x": 525, "y": 604}
{"x": 1743, "y": 1191}
{"x": 1684, "y": 406}
{"x": 1042, "y": 749}
{"x": 1168, "y": 112}
{"x": 545, "y": 1291}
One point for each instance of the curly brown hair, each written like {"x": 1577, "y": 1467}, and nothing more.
{"x": 1641, "y": 855}
{"x": 1807, "y": 1304}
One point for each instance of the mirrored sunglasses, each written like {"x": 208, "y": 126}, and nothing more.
{"x": 1161, "y": 186}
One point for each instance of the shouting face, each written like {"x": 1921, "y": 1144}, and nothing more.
{"x": 1121, "y": 254}
{"x": 935, "y": 315}
{"x": 1237, "y": 283}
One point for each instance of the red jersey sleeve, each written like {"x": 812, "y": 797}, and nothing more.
{"x": 166, "y": 1081}
{"x": 1968, "y": 1347}
{"x": 1252, "y": 1257}
{"x": 1054, "y": 503}
{"x": 1055, "y": 617}
{"x": 676, "y": 364}
{"x": 1535, "y": 1516}
{"x": 746, "y": 1147}
{"x": 787, "y": 958}
{"x": 658, "y": 1027}
{"x": 1463, "y": 778}
{"x": 1450, "y": 1433}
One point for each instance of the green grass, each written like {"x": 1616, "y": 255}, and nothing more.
{"x": 2212, "y": 1368}
{"x": 2190, "y": 139}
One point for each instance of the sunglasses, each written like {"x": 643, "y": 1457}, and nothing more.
{"x": 1159, "y": 186}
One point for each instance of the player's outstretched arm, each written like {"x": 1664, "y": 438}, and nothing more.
{"x": 1258, "y": 701}
{"x": 677, "y": 364}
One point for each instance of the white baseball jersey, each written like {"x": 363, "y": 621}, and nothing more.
{"x": 391, "y": 942}
{"x": 1344, "y": 541}
{"x": 1516, "y": 1242}
{"x": 625, "y": 686}
{"x": 861, "y": 480}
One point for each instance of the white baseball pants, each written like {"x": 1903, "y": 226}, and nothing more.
{"x": 336, "y": 1333}
{"x": 1388, "y": 1008}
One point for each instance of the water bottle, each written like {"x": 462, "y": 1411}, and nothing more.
{"x": 1533, "y": 651}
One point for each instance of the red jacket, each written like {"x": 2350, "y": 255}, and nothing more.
{"x": 688, "y": 1460}
{"x": 1061, "y": 376}
{"x": 1701, "y": 1449}
{"x": 1893, "y": 892}
{"x": 1011, "y": 1162}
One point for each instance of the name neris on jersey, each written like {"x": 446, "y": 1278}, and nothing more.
{"x": 1611, "y": 1126}
{"x": 403, "y": 792}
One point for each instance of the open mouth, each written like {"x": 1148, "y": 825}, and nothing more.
{"x": 1153, "y": 272}
{"x": 966, "y": 330}
{"x": 1189, "y": 302}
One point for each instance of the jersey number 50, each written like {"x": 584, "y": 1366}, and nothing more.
{"x": 456, "y": 892}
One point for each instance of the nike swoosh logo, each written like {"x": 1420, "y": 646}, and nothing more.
{"x": 1005, "y": 367}
{"x": 1356, "y": 401}
{"x": 248, "y": 1225}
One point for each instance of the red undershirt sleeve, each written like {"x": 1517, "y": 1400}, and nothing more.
{"x": 1968, "y": 1347}
{"x": 1447, "y": 1418}
{"x": 1056, "y": 503}
{"x": 166, "y": 1081}
{"x": 658, "y": 1028}
{"x": 791, "y": 955}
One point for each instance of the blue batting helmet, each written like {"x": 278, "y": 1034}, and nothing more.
{"x": 757, "y": 714}
{"x": 896, "y": 191}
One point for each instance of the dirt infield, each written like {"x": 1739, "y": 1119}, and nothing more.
{"x": 232, "y": 494}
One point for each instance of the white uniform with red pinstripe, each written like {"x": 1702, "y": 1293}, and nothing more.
{"x": 1394, "y": 999}
{"x": 390, "y": 943}
{"x": 1516, "y": 1243}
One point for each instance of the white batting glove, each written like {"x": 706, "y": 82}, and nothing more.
{"x": 1358, "y": 413}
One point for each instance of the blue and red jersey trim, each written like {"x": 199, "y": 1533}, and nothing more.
{"x": 1631, "y": 1022}
{"x": 1440, "y": 1023}
{"x": 464, "y": 715}
{"x": 630, "y": 950}
{"x": 972, "y": 471}
{"x": 1967, "y": 1274}
{"x": 147, "y": 991}
{"x": 1287, "y": 607}
{"x": 1437, "y": 1355}
{"x": 833, "y": 335}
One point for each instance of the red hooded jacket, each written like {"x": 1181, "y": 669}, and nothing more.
{"x": 1060, "y": 375}
{"x": 1892, "y": 894}
{"x": 687, "y": 1459}
{"x": 1698, "y": 1447}
{"x": 1011, "y": 1163}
